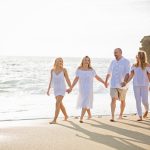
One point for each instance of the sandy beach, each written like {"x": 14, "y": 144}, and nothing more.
{"x": 97, "y": 133}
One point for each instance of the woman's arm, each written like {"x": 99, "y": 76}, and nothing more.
{"x": 49, "y": 86}
{"x": 73, "y": 84}
{"x": 100, "y": 79}
{"x": 107, "y": 79}
{"x": 67, "y": 77}
{"x": 148, "y": 72}
{"x": 130, "y": 76}
{"x": 125, "y": 80}
{"x": 109, "y": 73}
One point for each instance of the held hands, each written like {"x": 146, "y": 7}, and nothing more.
{"x": 106, "y": 84}
{"x": 123, "y": 84}
{"x": 48, "y": 93}
{"x": 69, "y": 90}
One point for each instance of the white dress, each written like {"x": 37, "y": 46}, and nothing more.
{"x": 85, "y": 97}
{"x": 58, "y": 83}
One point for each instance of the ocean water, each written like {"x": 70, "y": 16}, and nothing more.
{"x": 24, "y": 82}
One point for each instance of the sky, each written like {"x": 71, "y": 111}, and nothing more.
{"x": 72, "y": 28}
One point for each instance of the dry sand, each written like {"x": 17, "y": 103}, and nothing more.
{"x": 95, "y": 134}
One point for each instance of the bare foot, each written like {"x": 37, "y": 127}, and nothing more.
{"x": 145, "y": 114}
{"x": 89, "y": 117}
{"x": 140, "y": 119}
{"x": 53, "y": 122}
{"x": 81, "y": 121}
{"x": 120, "y": 117}
{"x": 66, "y": 118}
{"x": 112, "y": 120}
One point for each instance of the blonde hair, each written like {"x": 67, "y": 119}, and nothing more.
{"x": 89, "y": 66}
{"x": 56, "y": 62}
{"x": 143, "y": 59}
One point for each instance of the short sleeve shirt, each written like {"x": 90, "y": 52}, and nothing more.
{"x": 140, "y": 76}
{"x": 118, "y": 70}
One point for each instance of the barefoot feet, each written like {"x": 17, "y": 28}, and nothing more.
{"x": 145, "y": 114}
{"x": 53, "y": 122}
{"x": 89, "y": 117}
{"x": 120, "y": 117}
{"x": 66, "y": 118}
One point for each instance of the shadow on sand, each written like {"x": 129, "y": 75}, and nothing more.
{"x": 116, "y": 142}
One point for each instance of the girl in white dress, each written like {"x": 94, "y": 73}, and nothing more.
{"x": 85, "y": 74}
{"x": 139, "y": 73}
{"x": 57, "y": 81}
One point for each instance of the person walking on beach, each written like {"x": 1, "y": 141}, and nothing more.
{"x": 139, "y": 72}
{"x": 119, "y": 72}
{"x": 85, "y": 74}
{"x": 57, "y": 81}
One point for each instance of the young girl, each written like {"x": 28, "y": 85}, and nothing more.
{"x": 57, "y": 80}
{"x": 139, "y": 73}
{"x": 85, "y": 74}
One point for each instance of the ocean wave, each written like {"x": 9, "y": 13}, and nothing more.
{"x": 30, "y": 75}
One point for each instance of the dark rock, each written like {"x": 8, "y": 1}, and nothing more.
{"x": 145, "y": 43}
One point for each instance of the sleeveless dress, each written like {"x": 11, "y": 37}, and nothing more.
{"x": 85, "y": 97}
{"x": 58, "y": 83}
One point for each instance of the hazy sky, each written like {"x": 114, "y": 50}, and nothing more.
{"x": 72, "y": 27}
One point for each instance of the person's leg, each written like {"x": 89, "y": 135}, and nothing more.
{"x": 137, "y": 94}
{"x": 89, "y": 113}
{"x": 144, "y": 94}
{"x": 122, "y": 97}
{"x": 63, "y": 109}
{"x": 114, "y": 97}
{"x": 57, "y": 109}
{"x": 122, "y": 107}
{"x": 82, "y": 114}
{"x": 113, "y": 107}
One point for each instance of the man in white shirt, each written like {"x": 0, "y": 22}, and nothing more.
{"x": 119, "y": 72}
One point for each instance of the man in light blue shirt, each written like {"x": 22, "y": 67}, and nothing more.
{"x": 119, "y": 72}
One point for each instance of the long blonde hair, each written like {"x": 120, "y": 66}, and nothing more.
{"x": 143, "y": 59}
{"x": 56, "y": 62}
{"x": 89, "y": 66}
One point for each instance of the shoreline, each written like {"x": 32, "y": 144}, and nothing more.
{"x": 61, "y": 117}
{"x": 70, "y": 117}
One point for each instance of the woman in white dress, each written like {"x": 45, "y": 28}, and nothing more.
{"x": 57, "y": 81}
{"x": 140, "y": 72}
{"x": 85, "y": 74}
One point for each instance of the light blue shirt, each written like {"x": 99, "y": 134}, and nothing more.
{"x": 140, "y": 76}
{"x": 118, "y": 70}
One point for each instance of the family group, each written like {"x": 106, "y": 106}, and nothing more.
{"x": 120, "y": 73}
